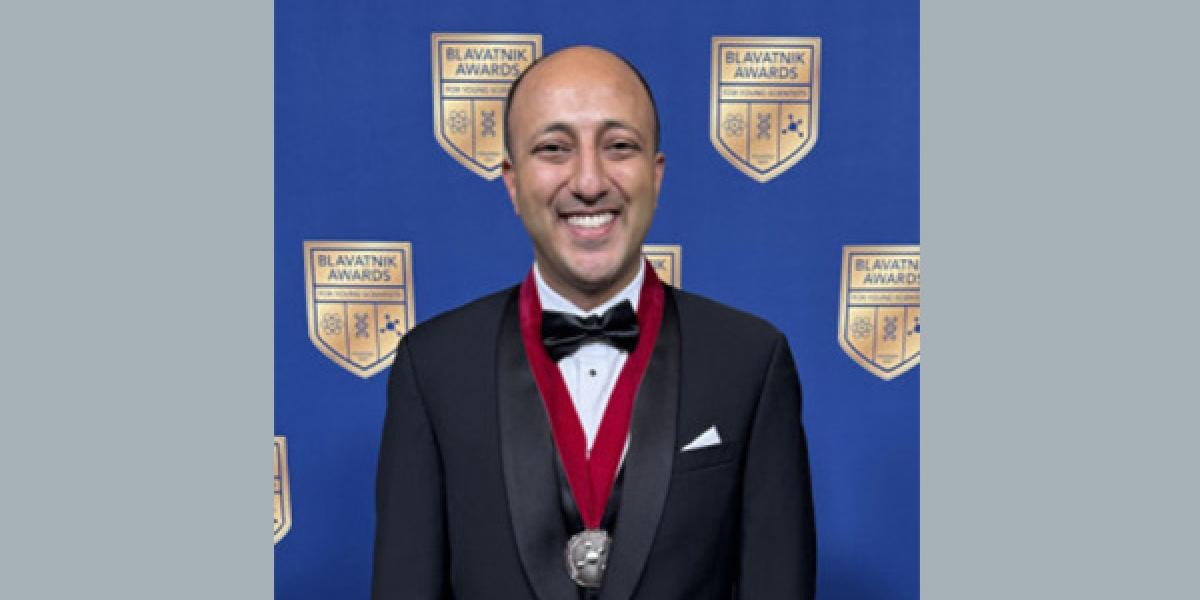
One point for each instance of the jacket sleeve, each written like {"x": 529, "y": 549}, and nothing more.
{"x": 778, "y": 539}
{"x": 410, "y": 560}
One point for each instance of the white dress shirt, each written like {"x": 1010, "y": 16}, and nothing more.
{"x": 591, "y": 372}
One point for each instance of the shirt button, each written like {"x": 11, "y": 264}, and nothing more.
{"x": 592, "y": 372}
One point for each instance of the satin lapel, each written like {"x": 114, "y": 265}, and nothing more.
{"x": 648, "y": 462}
{"x": 527, "y": 450}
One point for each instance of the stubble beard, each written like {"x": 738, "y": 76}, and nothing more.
{"x": 584, "y": 288}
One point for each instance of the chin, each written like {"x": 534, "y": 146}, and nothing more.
{"x": 589, "y": 275}
{"x": 598, "y": 275}
{"x": 592, "y": 281}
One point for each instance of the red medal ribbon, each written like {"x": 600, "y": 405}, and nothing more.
{"x": 590, "y": 477}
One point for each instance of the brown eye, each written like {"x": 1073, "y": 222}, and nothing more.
{"x": 552, "y": 151}
{"x": 550, "y": 148}
{"x": 623, "y": 147}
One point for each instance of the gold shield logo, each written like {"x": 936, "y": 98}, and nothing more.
{"x": 879, "y": 320}
{"x": 359, "y": 298}
{"x": 665, "y": 258}
{"x": 283, "y": 492}
{"x": 471, "y": 76}
{"x": 763, "y": 115}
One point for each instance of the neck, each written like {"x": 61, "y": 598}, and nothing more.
{"x": 584, "y": 298}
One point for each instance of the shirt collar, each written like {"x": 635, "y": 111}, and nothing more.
{"x": 552, "y": 300}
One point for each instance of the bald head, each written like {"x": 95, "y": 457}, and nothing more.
{"x": 574, "y": 63}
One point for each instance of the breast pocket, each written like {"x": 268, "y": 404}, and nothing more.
{"x": 702, "y": 458}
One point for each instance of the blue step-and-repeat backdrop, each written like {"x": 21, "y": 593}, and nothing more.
{"x": 791, "y": 191}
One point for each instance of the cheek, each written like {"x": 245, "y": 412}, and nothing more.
{"x": 533, "y": 200}
{"x": 635, "y": 179}
{"x": 645, "y": 214}
{"x": 540, "y": 182}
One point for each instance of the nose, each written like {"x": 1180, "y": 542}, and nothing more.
{"x": 589, "y": 181}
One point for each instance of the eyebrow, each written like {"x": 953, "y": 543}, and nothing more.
{"x": 559, "y": 126}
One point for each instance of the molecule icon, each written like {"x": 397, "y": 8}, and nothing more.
{"x": 793, "y": 126}
{"x": 390, "y": 324}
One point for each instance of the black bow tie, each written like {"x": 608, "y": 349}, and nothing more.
{"x": 563, "y": 334}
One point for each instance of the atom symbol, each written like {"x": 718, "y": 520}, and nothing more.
{"x": 457, "y": 121}
{"x": 734, "y": 125}
{"x": 861, "y": 327}
{"x": 331, "y": 324}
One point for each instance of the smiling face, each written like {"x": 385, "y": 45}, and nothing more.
{"x": 584, "y": 174}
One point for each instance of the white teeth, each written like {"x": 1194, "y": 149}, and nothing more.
{"x": 590, "y": 221}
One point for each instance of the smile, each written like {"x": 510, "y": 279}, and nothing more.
{"x": 591, "y": 227}
{"x": 590, "y": 221}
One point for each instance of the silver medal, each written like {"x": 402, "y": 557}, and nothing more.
{"x": 587, "y": 557}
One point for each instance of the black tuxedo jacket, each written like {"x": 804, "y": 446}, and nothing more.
{"x": 468, "y": 503}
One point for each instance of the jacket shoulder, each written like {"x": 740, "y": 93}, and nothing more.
{"x": 476, "y": 320}
{"x": 696, "y": 311}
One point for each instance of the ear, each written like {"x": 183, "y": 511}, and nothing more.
{"x": 660, "y": 164}
{"x": 510, "y": 183}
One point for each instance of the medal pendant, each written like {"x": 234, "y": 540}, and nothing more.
{"x": 587, "y": 557}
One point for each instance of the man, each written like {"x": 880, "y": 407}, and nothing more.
{"x": 632, "y": 441}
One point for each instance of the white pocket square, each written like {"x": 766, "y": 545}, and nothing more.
{"x": 710, "y": 437}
